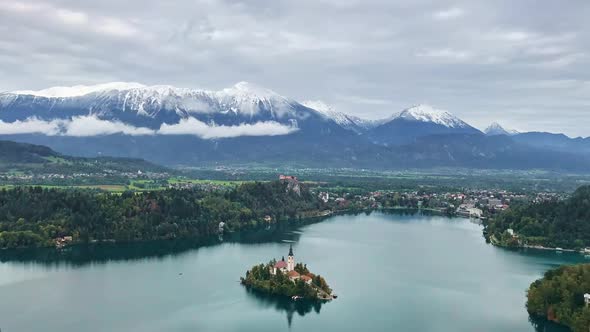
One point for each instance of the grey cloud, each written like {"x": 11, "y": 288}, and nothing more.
{"x": 470, "y": 57}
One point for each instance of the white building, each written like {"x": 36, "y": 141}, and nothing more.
{"x": 587, "y": 299}
{"x": 324, "y": 196}
{"x": 475, "y": 212}
{"x": 285, "y": 267}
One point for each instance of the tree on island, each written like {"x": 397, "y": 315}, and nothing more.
{"x": 260, "y": 278}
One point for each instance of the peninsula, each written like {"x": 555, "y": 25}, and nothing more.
{"x": 286, "y": 278}
{"x": 562, "y": 296}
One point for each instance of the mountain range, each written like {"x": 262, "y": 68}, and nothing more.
{"x": 247, "y": 124}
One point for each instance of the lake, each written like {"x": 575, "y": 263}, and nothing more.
{"x": 391, "y": 271}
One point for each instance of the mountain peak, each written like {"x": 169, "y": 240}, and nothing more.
{"x": 242, "y": 90}
{"x": 320, "y": 106}
{"x": 427, "y": 113}
{"x": 496, "y": 129}
{"x": 79, "y": 90}
{"x": 346, "y": 121}
{"x": 250, "y": 90}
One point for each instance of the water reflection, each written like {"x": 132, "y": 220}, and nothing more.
{"x": 542, "y": 325}
{"x": 284, "y": 304}
{"x": 80, "y": 255}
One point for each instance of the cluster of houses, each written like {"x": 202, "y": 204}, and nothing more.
{"x": 207, "y": 186}
{"x": 546, "y": 197}
{"x": 474, "y": 203}
{"x": 288, "y": 267}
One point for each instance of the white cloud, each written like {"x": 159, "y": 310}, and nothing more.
{"x": 106, "y": 25}
{"x": 192, "y": 126}
{"x": 448, "y": 14}
{"x": 86, "y": 126}
{"x": 31, "y": 126}
{"x": 79, "y": 126}
{"x": 92, "y": 126}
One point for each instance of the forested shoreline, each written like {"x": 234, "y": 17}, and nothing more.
{"x": 36, "y": 217}
{"x": 564, "y": 224}
{"x": 559, "y": 296}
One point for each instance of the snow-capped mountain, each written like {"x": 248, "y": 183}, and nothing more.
{"x": 496, "y": 129}
{"x": 418, "y": 121}
{"x": 243, "y": 102}
{"x": 346, "y": 121}
{"x": 151, "y": 107}
{"x": 246, "y": 123}
{"x": 170, "y": 125}
{"x": 80, "y": 90}
{"x": 427, "y": 113}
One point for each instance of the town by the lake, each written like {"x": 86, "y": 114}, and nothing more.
{"x": 264, "y": 166}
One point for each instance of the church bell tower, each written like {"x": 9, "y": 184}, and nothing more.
{"x": 290, "y": 260}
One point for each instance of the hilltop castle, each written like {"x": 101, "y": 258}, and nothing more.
{"x": 292, "y": 183}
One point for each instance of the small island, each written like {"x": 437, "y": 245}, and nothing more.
{"x": 285, "y": 278}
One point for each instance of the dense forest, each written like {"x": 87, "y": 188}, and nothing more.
{"x": 564, "y": 224}
{"x": 559, "y": 296}
{"x": 34, "y": 216}
{"x": 259, "y": 278}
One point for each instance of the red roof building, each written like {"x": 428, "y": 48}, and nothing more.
{"x": 281, "y": 265}
{"x": 306, "y": 278}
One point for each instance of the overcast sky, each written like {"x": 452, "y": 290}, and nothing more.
{"x": 524, "y": 64}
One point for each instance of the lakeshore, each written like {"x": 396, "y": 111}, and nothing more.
{"x": 495, "y": 242}
{"x": 433, "y": 264}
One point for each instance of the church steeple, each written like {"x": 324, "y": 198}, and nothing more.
{"x": 290, "y": 259}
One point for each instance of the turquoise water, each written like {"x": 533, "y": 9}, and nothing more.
{"x": 392, "y": 272}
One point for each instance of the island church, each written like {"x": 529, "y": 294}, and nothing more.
{"x": 285, "y": 267}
